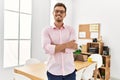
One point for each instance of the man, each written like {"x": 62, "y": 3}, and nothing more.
{"x": 59, "y": 43}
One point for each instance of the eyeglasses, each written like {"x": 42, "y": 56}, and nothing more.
{"x": 61, "y": 11}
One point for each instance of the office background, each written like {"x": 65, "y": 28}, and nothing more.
{"x": 105, "y": 12}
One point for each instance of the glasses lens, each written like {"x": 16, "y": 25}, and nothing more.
{"x": 59, "y": 11}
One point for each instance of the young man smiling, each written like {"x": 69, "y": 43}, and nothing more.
{"x": 59, "y": 43}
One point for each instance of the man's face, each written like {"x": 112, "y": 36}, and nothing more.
{"x": 59, "y": 13}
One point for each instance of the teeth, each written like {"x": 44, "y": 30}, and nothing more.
{"x": 58, "y": 16}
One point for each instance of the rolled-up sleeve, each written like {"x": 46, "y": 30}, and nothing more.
{"x": 46, "y": 42}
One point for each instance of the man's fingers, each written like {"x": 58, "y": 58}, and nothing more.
{"x": 73, "y": 41}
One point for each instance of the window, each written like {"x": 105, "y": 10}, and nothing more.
{"x": 17, "y": 32}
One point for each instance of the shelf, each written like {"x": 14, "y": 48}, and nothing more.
{"x": 97, "y": 45}
{"x": 105, "y": 69}
{"x": 105, "y": 73}
{"x": 106, "y": 61}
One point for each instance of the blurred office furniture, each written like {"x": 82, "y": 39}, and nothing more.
{"x": 79, "y": 74}
{"x": 88, "y": 72}
{"x": 28, "y": 62}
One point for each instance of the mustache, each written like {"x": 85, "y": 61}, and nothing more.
{"x": 59, "y": 15}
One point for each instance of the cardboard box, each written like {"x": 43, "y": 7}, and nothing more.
{"x": 84, "y": 48}
{"x": 80, "y": 57}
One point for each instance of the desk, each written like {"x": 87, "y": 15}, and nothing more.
{"x": 38, "y": 71}
{"x": 79, "y": 64}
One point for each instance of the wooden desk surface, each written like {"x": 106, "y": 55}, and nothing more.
{"x": 79, "y": 64}
{"x": 38, "y": 71}
{"x": 33, "y": 71}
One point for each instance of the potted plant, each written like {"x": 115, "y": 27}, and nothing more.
{"x": 77, "y": 52}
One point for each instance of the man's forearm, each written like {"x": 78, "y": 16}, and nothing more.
{"x": 62, "y": 47}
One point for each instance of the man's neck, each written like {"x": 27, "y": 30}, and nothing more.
{"x": 58, "y": 24}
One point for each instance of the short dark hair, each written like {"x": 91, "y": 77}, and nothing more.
{"x": 60, "y": 4}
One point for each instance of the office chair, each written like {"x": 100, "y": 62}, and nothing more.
{"x": 79, "y": 74}
{"x": 28, "y": 62}
{"x": 98, "y": 59}
{"x": 88, "y": 72}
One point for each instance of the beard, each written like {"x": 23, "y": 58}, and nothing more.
{"x": 59, "y": 19}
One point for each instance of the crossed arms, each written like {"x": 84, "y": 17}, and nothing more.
{"x": 61, "y": 47}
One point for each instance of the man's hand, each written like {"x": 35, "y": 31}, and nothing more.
{"x": 71, "y": 44}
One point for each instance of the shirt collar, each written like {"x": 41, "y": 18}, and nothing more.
{"x": 54, "y": 27}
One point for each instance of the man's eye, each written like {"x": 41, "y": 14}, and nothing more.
{"x": 59, "y": 11}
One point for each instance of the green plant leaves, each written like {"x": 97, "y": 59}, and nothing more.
{"x": 78, "y": 51}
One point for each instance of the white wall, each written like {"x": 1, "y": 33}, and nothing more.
{"x": 40, "y": 19}
{"x": 1, "y": 30}
{"x": 107, "y": 13}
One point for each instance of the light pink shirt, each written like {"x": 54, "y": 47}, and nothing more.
{"x": 59, "y": 63}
